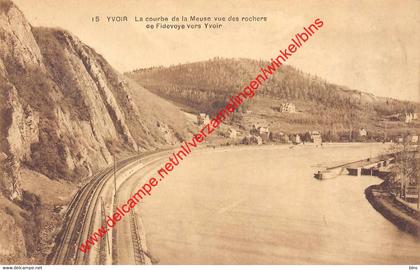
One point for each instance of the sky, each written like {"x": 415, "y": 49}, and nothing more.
{"x": 370, "y": 45}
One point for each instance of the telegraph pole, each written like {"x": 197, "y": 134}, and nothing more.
{"x": 103, "y": 215}
{"x": 115, "y": 177}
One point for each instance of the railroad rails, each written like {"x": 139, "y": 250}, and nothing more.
{"x": 81, "y": 211}
{"x": 79, "y": 221}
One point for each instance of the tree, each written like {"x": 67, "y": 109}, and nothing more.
{"x": 406, "y": 174}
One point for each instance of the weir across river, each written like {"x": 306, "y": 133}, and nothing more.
{"x": 370, "y": 166}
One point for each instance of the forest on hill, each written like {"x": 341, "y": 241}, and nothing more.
{"x": 206, "y": 86}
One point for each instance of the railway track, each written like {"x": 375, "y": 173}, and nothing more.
{"x": 81, "y": 210}
{"x": 128, "y": 238}
{"x": 79, "y": 221}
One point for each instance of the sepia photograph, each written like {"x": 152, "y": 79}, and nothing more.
{"x": 272, "y": 133}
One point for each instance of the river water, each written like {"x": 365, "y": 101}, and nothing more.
{"x": 262, "y": 205}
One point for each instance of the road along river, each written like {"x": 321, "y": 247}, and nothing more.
{"x": 262, "y": 205}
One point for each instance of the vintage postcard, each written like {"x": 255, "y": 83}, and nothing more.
{"x": 209, "y": 133}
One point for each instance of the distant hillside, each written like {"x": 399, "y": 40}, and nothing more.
{"x": 205, "y": 87}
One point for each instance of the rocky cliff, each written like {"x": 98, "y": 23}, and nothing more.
{"x": 64, "y": 109}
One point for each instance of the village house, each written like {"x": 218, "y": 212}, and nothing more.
{"x": 403, "y": 117}
{"x": 264, "y": 133}
{"x": 406, "y": 117}
{"x": 362, "y": 132}
{"x": 315, "y": 137}
{"x": 260, "y": 131}
{"x": 295, "y": 138}
{"x": 414, "y": 139}
{"x": 203, "y": 119}
{"x": 288, "y": 108}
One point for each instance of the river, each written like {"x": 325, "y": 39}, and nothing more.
{"x": 262, "y": 205}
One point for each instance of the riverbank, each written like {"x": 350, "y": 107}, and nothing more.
{"x": 399, "y": 214}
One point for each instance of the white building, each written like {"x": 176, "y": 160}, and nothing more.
{"x": 288, "y": 107}
{"x": 295, "y": 139}
{"x": 362, "y": 132}
{"x": 264, "y": 133}
{"x": 406, "y": 117}
{"x": 315, "y": 137}
{"x": 413, "y": 139}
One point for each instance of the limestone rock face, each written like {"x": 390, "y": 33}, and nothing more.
{"x": 23, "y": 130}
{"x": 64, "y": 109}
{"x": 17, "y": 41}
{"x": 21, "y": 133}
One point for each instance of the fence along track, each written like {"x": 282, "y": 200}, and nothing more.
{"x": 97, "y": 193}
{"x": 136, "y": 240}
{"x": 96, "y": 197}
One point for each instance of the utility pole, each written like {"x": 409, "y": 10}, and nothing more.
{"x": 115, "y": 177}
{"x": 403, "y": 171}
{"x": 405, "y": 166}
{"x": 103, "y": 216}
